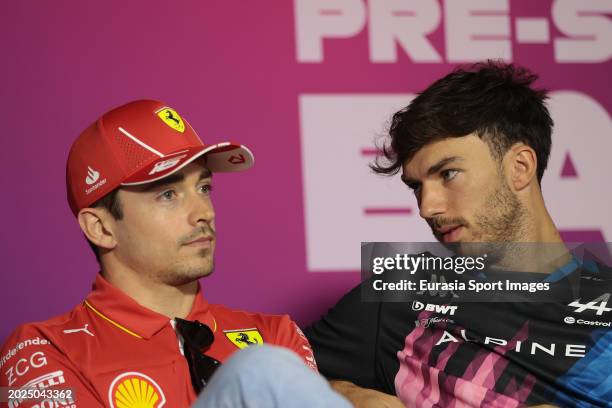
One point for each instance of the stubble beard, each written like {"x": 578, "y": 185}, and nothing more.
{"x": 182, "y": 274}
{"x": 501, "y": 225}
{"x": 502, "y": 218}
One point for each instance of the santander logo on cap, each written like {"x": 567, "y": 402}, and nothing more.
{"x": 93, "y": 180}
{"x": 92, "y": 176}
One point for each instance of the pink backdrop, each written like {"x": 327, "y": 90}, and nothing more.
{"x": 238, "y": 70}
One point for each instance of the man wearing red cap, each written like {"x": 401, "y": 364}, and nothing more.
{"x": 139, "y": 182}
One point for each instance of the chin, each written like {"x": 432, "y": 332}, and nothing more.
{"x": 189, "y": 275}
{"x": 202, "y": 271}
{"x": 206, "y": 273}
{"x": 182, "y": 280}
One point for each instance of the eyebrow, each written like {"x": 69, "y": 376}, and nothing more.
{"x": 434, "y": 168}
{"x": 174, "y": 178}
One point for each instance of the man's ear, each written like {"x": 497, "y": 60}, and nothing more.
{"x": 521, "y": 166}
{"x": 97, "y": 225}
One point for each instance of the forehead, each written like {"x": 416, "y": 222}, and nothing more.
{"x": 195, "y": 170}
{"x": 196, "y": 166}
{"x": 467, "y": 149}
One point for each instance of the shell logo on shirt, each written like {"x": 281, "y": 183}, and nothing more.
{"x": 243, "y": 338}
{"x": 135, "y": 390}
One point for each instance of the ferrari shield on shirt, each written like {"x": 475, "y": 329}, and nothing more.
{"x": 110, "y": 351}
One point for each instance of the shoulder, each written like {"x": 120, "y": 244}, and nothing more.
{"x": 226, "y": 316}
{"x": 596, "y": 271}
{"x": 280, "y": 330}
{"x": 42, "y": 331}
{"x": 42, "y": 335}
{"x": 42, "y": 355}
{"x": 34, "y": 345}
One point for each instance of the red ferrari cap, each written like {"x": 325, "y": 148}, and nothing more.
{"x": 138, "y": 143}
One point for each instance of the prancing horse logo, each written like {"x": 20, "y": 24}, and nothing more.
{"x": 244, "y": 338}
{"x": 171, "y": 117}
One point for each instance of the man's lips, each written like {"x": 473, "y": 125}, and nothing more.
{"x": 446, "y": 229}
{"x": 202, "y": 241}
{"x": 450, "y": 233}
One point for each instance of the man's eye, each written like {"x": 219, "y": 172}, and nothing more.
{"x": 206, "y": 188}
{"x": 449, "y": 174}
{"x": 167, "y": 195}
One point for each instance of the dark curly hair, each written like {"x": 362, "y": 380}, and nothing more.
{"x": 491, "y": 99}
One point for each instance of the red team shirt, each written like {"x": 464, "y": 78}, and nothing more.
{"x": 113, "y": 352}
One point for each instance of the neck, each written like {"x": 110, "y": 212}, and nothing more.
{"x": 540, "y": 226}
{"x": 168, "y": 300}
{"x": 539, "y": 247}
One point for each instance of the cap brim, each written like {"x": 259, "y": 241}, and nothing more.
{"x": 220, "y": 157}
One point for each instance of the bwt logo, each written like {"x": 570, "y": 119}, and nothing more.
{"x": 432, "y": 307}
{"x": 474, "y": 30}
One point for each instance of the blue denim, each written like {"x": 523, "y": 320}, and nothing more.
{"x": 268, "y": 376}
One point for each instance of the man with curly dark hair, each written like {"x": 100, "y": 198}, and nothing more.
{"x": 473, "y": 148}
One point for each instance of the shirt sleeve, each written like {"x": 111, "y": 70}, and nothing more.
{"x": 289, "y": 335}
{"x": 30, "y": 360}
{"x": 588, "y": 383}
{"x": 344, "y": 340}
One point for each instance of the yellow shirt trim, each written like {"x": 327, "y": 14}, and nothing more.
{"x": 128, "y": 331}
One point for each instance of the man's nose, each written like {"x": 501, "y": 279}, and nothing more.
{"x": 432, "y": 201}
{"x": 200, "y": 209}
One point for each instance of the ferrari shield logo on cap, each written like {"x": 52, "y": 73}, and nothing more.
{"x": 172, "y": 119}
{"x": 243, "y": 338}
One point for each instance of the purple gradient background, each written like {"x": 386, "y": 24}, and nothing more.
{"x": 230, "y": 69}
